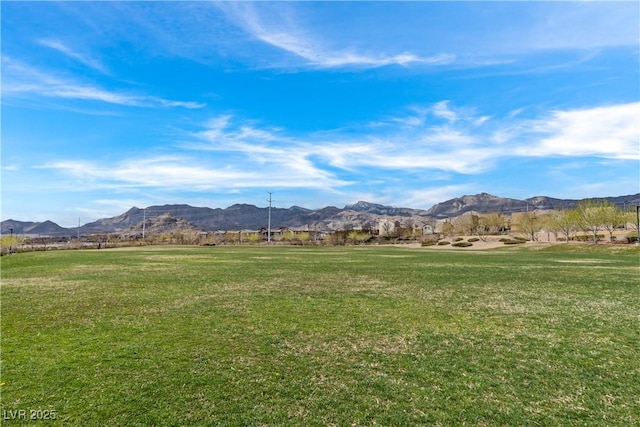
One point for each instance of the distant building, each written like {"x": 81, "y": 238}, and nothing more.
{"x": 427, "y": 229}
{"x": 386, "y": 227}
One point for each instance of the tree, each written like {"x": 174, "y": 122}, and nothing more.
{"x": 358, "y": 236}
{"x": 253, "y": 238}
{"x": 9, "y": 243}
{"x": 232, "y": 237}
{"x": 288, "y": 236}
{"x": 386, "y": 227}
{"x": 563, "y": 221}
{"x": 408, "y": 228}
{"x": 592, "y": 215}
{"x": 448, "y": 229}
{"x": 368, "y": 227}
{"x": 466, "y": 224}
{"x": 528, "y": 224}
{"x": 631, "y": 218}
{"x": 614, "y": 218}
{"x": 490, "y": 224}
{"x": 304, "y": 237}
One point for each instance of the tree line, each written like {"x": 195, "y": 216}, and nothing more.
{"x": 591, "y": 219}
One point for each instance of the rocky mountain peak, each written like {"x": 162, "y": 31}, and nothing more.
{"x": 362, "y": 206}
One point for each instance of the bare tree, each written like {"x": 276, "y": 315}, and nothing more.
{"x": 465, "y": 225}
{"x": 490, "y": 224}
{"x": 448, "y": 228}
{"x": 387, "y": 227}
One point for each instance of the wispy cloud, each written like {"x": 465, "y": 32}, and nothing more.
{"x": 229, "y": 153}
{"x": 538, "y": 29}
{"x": 84, "y": 59}
{"x": 188, "y": 173}
{"x": 435, "y": 147}
{"x": 21, "y": 80}
{"x": 467, "y": 143}
{"x": 283, "y": 32}
{"x": 441, "y": 109}
{"x": 583, "y": 27}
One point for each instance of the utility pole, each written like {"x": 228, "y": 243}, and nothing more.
{"x": 269, "y": 223}
{"x": 144, "y": 221}
{"x": 78, "y": 229}
{"x": 638, "y": 225}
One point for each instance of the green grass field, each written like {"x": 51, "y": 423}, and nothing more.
{"x": 322, "y": 336}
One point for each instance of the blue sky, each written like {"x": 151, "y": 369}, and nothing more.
{"x": 111, "y": 105}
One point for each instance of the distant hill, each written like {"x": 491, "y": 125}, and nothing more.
{"x": 46, "y": 228}
{"x": 245, "y": 216}
{"x": 235, "y": 217}
{"x": 485, "y": 203}
{"x": 161, "y": 224}
{"x": 384, "y": 210}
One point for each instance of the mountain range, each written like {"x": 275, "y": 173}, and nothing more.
{"x": 245, "y": 216}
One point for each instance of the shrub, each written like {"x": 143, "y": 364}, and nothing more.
{"x": 588, "y": 237}
{"x": 473, "y": 239}
{"x": 443, "y": 243}
{"x": 462, "y": 244}
{"x": 512, "y": 241}
{"x": 429, "y": 243}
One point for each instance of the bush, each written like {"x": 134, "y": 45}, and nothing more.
{"x": 473, "y": 239}
{"x": 429, "y": 243}
{"x": 443, "y": 243}
{"x": 462, "y": 244}
{"x": 588, "y": 237}
{"x": 459, "y": 239}
{"x": 513, "y": 241}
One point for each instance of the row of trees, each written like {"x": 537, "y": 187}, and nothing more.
{"x": 590, "y": 216}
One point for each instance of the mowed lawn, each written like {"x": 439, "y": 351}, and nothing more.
{"x": 322, "y": 336}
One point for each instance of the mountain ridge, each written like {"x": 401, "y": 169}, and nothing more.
{"x": 247, "y": 216}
